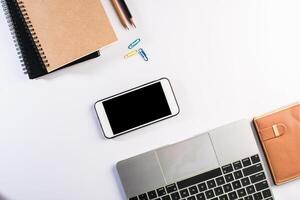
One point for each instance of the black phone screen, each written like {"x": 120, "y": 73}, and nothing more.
{"x": 136, "y": 108}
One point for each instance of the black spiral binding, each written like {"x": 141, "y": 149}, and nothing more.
{"x": 14, "y": 35}
{"x": 32, "y": 32}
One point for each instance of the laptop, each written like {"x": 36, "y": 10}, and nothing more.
{"x": 221, "y": 164}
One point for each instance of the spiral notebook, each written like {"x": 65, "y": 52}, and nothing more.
{"x": 50, "y": 35}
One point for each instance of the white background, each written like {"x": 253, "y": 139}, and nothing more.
{"x": 226, "y": 59}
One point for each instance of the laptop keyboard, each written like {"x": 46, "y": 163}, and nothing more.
{"x": 241, "y": 180}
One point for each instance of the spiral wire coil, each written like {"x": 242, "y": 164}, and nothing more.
{"x": 14, "y": 34}
{"x": 32, "y": 32}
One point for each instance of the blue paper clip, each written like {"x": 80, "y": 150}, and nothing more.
{"x": 134, "y": 43}
{"x": 143, "y": 54}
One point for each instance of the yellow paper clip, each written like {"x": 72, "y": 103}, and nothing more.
{"x": 131, "y": 53}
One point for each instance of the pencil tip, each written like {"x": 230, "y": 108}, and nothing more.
{"x": 132, "y": 23}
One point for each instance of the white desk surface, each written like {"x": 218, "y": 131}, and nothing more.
{"x": 226, "y": 59}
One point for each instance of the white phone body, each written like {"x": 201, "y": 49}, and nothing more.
{"x": 104, "y": 120}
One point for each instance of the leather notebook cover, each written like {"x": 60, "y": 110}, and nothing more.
{"x": 65, "y": 31}
{"x": 279, "y": 133}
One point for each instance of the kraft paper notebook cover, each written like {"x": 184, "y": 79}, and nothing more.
{"x": 279, "y": 133}
{"x": 31, "y": 60}
{"x": 50, "y": 35}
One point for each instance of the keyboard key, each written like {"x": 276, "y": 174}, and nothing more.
{"x": 229, "y": 177}
{"x": 143, "y": 197}
{"x": 270, "y": 198}
{"x": 161, "y": 191}
{"x": 211, "y": 184}
{"x": 184, "y": 193}
{"x": 201, "y": 196}
{"x": 237, "y": 165}
{"x": 253, "y": 169}
{"x": 191, "y": 198}
{"x": 175, "y": 196}
{"x": 227, "y": 187}
{"x": 216, "y": 198}
{"x": 171, "y": 188}
{"x": 238, "y": 174}
{"x": 152, "y": 194}
{"x": 250, "y": 189}
{"x": 199, "y": 178}
{"x": 232, "y": 195}
{"x": 134, "y": 198}
{"x": 246, "y": 162}
{"x": 223, "y": 197}
{"x": 202, "y": 187}
{"x": 245, "y": 181}
{"x": 248, "y": 198}
{"x": 209, "y": 194}
{"x": 193, "y": 190}
{"x": 220, "y": 180}
{"x": 241, "y": 192}
{"x": 257, "y": 196}
{"x": 257, "y": 177}
{"x": 166, "y": 197}
{"x": 261, "y": 186}
{"x": 255, "y": 159}
{"x": 236, "y": 184}
{"x": 267, "y": 193}
{"x": 227, "y": 168}
{"x": 218, "y": 191}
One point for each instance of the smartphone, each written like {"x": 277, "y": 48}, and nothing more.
{"x": 136, "y": 108}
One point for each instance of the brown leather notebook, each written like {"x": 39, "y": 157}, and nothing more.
{"x": 279, "y": 133}
{"x": 65, "y": 31}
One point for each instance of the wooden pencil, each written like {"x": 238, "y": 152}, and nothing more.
{"x": 120, "y": 13}
{"x": 127, "y": 12}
